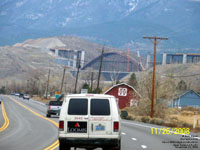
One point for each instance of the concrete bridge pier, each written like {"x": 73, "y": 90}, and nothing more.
{"x": 74, "y": 61}
{"x": 148, "y": 60}
{"x": 164, "y": 59}
{"x": 184, "y": 58}
{"x": 56, "y": 52}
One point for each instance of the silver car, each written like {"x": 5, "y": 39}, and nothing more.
{"x": 54, "y": 108}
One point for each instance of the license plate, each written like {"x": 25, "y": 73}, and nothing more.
{"x": 100, "y": 128}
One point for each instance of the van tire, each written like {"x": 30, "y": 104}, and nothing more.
{"x": 48, "y": 115}
{"x": 118, "y": 147}
{"x": 63, "y": 146}
{"x": 113, "y": 148}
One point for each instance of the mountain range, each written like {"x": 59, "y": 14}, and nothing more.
{"x": 113, "y": 22}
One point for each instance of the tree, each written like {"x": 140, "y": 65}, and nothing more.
{"x": 3, "y": 90}
{"x": 133, "y": 81}
{"x": 165, "y": 90}
{"x": 182, "y": 86}
{"x": 85, "y": 86}
{"x": 97, "y": 90}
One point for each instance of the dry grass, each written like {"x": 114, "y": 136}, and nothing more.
{"x": 43, "y": 100}
{"x": 189, "y": 119}
{"x": 175, "y": 118}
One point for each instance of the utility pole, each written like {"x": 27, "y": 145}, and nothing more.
{"x": 92, "y": 80}
{"x": 79, "y": 66}
{"x": 62, "y": 80}
{"x": 100, "y": 66}
{"x": 27, "y": 87}
{"x": 47, "y": 88}
{"x": 154, "y": 69}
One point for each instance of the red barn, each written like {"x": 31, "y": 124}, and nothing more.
{"x": 125, "y": 94}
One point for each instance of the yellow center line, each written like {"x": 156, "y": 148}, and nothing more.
{"x": 6, "y": 120}
{"x": 56, "y": 143}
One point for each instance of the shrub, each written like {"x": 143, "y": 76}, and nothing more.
{"x": 145, "y": 119}
{"x": 174, "y": 111}
{"x": 170, "y": 124}
{"x": 187, "y": 113}
{"x": 138, "y": 118}
{"x": 130, "y": 117}
{"x": 185, "y": 124}
{"x": 174, "y": 119}
{"x": 189, "y": 108}
{"x": 198, "y": 110}
{"x": 157, "y": 121}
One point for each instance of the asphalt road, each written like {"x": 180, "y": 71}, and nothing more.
{"x": 28, "y": 130}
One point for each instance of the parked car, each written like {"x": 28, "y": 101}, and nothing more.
{"x": 0, "y": 100}
{"x": 26, "y": 96}
{"x": 90, "y": 121}
{"x": 17, "y": 94}
{"x": 12, "y": 93}
{"x": 54, "y": 108}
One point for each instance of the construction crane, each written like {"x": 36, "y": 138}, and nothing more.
{"x": 138, "y": 55}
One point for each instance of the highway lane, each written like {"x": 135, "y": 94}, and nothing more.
{"x": 26, "y": 130}
{"x": 1, "y": 117}
{"x": 135, "y": 136}
{"x": 142, "y": 138}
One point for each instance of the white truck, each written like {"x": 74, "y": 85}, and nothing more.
{"x": 89, "y": 121}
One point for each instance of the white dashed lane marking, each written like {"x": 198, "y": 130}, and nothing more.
{"x": 134, "y": 139}
{"x": 144, "y": 146}
{"x": 123, "y": 133}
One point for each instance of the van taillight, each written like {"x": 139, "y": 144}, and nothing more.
{"x": 116, "y": 126}
{"x": 49, "y": 107}
{"x": 61, "y": 125}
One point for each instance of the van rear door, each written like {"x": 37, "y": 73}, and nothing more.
{"x": 100, "y": 121}
{"x": 77, "y": 118}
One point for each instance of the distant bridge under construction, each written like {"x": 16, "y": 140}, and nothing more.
{"x": 114, "y": 62}
{"x": 177, "y": 58}
{"x": 117, "y": 63}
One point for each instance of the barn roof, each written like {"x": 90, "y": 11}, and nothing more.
{"x": 123, "y": 84}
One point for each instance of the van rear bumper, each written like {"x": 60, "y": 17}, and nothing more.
{"x": 53, "y": 112}
{"x": 90, "y": 142}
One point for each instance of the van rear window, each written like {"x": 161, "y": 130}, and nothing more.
{"x": 100, "y": 107}
{"x": 78, "y": 107}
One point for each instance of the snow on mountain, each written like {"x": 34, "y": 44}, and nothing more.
{"x": 117, "y": 21}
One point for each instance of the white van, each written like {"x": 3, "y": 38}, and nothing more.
{"x": 89, "y": 121}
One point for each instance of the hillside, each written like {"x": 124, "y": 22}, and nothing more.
{"x": 33, "y": 55}
{"x": 91, "y": 49}
{"x": 16, "y": 61}
{"x": 190, "y": 73}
